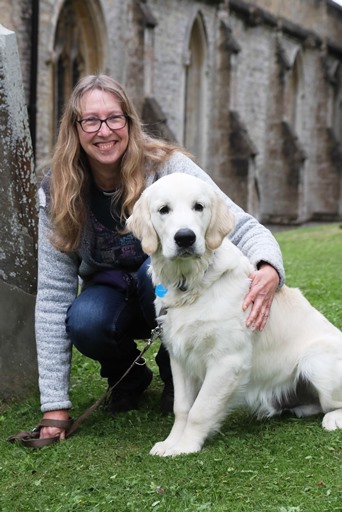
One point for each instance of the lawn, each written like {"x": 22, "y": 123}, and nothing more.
{"x": 278, "y": 465}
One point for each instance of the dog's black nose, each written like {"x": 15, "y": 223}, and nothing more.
{"x": 185, "y": 237}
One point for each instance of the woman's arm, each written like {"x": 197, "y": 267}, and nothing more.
{"x": 57, "y": 287}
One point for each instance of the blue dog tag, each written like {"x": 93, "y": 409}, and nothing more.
{"x": 160, "y": 290}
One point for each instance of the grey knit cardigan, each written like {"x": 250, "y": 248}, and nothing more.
{"x": 59, "y": 273}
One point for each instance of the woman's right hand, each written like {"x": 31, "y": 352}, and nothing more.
{"x": 54, "y": 431}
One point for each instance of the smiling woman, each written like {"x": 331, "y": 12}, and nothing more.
{"x": 103, "y": 160}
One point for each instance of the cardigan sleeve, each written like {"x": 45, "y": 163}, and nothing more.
{"x": 57, "y": 287}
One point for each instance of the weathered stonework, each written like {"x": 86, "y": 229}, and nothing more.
{"x": 18, "y": 229}
{"x": 17, "y": 184}
{"x": 18, "y": 358}
{"x": 268, "y": 73}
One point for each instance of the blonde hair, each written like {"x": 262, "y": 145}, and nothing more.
{"x": 70, "y": 179}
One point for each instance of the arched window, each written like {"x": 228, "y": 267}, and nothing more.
{"x": 78, "y": 50}
{"x": 195, "y": 92}
{"x": 337, "y": 104}
{"x": 295, "y": 95}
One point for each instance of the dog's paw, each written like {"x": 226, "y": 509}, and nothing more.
{"x": 162, "y": 448}
{"x": 333, "y": 420}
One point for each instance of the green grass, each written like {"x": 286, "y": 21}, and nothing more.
{"x": 279, "y": 465}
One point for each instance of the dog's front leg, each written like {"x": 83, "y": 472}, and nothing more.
{"x": 222, "y": 383}
{"x": 185, "y": 394}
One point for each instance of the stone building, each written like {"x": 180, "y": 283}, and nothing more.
{"x": 252, "y": 88}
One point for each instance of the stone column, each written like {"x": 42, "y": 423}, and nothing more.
{"x": 18, "y": 230}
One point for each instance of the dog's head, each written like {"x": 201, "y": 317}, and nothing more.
{"x": 182, "y": 216}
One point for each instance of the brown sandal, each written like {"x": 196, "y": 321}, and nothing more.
{"x": 31, "y": 439}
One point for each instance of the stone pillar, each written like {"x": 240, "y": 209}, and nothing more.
{"x": 18, "y": 230}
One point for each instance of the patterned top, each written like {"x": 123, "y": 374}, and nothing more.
{"x": 110, "y": 246}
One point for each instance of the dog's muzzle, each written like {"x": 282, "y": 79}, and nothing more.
{"x": 185, "y": 239}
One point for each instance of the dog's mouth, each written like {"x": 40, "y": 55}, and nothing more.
{"x": 185, "y": 252}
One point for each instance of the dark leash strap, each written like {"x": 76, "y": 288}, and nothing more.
{"x": 30, "y": 439}
{"x": 155, "y": 333}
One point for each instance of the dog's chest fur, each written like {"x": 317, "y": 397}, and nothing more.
{"x": 199, "y": 320}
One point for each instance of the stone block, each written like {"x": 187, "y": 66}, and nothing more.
{"x": 18, "y": 229}
{"x": 18, "y": 358}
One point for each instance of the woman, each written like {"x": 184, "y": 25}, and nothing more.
{"x": 102, "y": 162}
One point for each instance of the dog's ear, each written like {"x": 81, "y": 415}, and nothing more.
{"x": 140, "y": 224}
{"x": 221, "y": 223}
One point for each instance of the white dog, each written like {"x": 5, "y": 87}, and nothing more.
{"x": 217, "y": 363}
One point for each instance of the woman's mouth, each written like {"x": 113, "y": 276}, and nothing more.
{"x": 105, "y": 146}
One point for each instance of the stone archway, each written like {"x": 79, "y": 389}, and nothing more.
{"x": 196, "y": 91}
{"x": 78, "y": 50}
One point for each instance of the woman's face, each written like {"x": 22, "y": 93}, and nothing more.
{"x": 105, "y": 147}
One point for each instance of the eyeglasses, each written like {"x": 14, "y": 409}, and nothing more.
{"x": 93, "y": 124}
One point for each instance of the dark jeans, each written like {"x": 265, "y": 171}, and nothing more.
{"x": 104, "y": 321}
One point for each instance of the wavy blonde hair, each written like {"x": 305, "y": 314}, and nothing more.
{"x": 70, "y": 179}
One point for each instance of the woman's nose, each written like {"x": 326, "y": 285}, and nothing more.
{"x": 104, "y": 130}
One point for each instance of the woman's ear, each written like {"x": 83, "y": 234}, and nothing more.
{"x": 221, "y": 223}
{"x": 140, "y": 224}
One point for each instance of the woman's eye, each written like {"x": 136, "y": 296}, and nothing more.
{"x": 198, "y": 207}
{"x": 90, "y": 120}
{"x": 164, "y": 210}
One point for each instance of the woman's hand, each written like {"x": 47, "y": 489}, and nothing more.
{"x": 54, "y": 431}
{"x": 264, "y": 283}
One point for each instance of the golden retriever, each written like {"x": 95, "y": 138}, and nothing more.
{"x": 217, "y": 363}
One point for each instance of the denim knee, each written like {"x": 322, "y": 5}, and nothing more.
{"x": 91, "y": 321}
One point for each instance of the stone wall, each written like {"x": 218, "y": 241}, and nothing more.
{"x": 271, "y": 140}
{"x": 18, "y": 229}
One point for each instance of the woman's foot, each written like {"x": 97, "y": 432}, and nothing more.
{"x": 126, "y": 396}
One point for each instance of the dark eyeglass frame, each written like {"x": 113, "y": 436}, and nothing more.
{"x": 118, "y": 116}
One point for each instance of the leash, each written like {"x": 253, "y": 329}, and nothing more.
{"x": 30, "y": 439}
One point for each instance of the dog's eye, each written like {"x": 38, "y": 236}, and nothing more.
{"x": 198, "y": 207}
{"x": 164, "y": 210}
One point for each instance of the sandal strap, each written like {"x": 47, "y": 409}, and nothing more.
{"x": 31, "y": 439}
{"x": 49, "y": 422}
